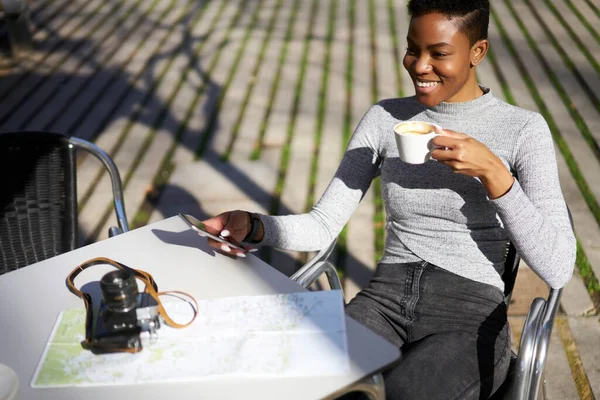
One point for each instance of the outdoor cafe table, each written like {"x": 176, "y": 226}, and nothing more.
{"x": 32, "y": 298}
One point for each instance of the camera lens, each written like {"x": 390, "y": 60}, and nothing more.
{"x": 119, "y": 290}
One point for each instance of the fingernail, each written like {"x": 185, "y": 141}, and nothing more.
{"x": 226, "y": 248}
{"x": 241, "y": 255}
{"x": 252, "y": 250}
{"x": 224, "y": 232}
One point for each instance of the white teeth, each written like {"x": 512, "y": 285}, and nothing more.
{"x": 426, "y": 84}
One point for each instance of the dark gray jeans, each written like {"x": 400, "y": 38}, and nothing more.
{"x": 453, "y": 332}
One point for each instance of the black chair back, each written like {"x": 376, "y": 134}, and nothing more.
{"x": 38, "y": 199}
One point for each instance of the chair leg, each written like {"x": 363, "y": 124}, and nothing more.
{"x": 114, "y": 231}
{"x": 372, "y": 386}
{"x": 18, "y": 26}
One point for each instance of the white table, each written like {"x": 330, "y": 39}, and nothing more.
{"x": 32, "y": 297}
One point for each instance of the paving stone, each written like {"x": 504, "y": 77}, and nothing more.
{"x": 48, "y": 37}
{"x": 234, "y": 99}
{"x": 206, "y": 188}
{"x": 509, "y": 70}
{"x": 592, "y": 17}
{"x": 586, "y": 332}
{"x": 386, "y": 82}
{"x": 280, "y": 117}
{"x": 148, "y": 168}
{"x": 109, "y": 139}
{"x": 197, "y": 81}
{"x": 163, "y": 140}
{"x": 9, "y": 105}
{"x": 258, "y": 102}
{"x": 528, "y": 286}
{"x": 567, "y": 79}
{"x": 133, "y": 82}
{"x": 487, "y": 77}
{"x": 588, "y": 164}
{"x": 402, "y": 21}
{"x": 102, "y": 194}
{"x": 586, "y": 229}
{"x": 558, "y": 382}
{"x": 584, "y": 221}
{"x": 296, "y": 185}
{"x": 588, "y": 41}
{"x": 64, "y": 107}
{"x": 55, "y": 92}
{"x": 575, "y": 300}
{"x": 360, "y": 259}
{"x": 332, "y": 145}
{"x": 47, "y": 16}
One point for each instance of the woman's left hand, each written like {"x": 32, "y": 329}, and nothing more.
{"x": 467, "y": 156}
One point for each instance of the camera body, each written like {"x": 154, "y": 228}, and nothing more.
{"x": 124, "y": 315}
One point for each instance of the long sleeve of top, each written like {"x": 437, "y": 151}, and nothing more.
{"x": 441, "y": 217}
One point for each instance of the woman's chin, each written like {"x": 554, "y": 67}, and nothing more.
{"x": 428, "y": 101}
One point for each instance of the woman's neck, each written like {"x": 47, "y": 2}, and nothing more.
{"x": 470, "y": 91}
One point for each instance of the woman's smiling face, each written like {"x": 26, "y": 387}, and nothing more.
{"x": 440, "y": 60}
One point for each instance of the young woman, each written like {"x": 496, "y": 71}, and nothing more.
{"x": 437, "y": 292}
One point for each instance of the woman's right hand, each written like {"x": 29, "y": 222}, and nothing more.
{"x": 235, "y": 224}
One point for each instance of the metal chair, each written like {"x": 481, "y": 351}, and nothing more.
{"x": 526, "y": 367}
{"x": 38, "y": 200}
{"x": 315, "y": 267}
{"x": 18, "y": 25}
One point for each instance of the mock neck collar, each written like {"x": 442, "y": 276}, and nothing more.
{"x": 462, "y": 108}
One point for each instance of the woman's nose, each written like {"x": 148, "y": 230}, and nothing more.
{"x": 422, "y": 65}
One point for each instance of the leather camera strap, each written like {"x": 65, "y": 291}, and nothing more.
{"x": 150, "y": 287}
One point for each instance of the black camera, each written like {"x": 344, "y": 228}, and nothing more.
{"x": 124, "y": 315}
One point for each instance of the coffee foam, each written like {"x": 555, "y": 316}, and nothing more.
{"x": 414, "y": 128}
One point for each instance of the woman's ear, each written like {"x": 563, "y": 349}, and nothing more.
{"x": 478, "y": 51}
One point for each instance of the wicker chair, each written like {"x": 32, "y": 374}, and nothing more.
{"x": 38, "y": 200}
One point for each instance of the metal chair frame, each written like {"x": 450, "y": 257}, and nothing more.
{"x": 115, "y": 178}
{"x": 313, "y": 269}
{"x": 527, "y": 367}
{"x": 18, "y": 25}
{"x": 525, "y": 374}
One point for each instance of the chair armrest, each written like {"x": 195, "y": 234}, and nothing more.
{"x": 318, "y": 265}
{"x": 533, "y": 347}
{"x": 322, "y": 255}
{"x": 521, "y": 385}
{"x": 115, "y": 178}
{"x": 543, "y": 339}
{"x": 308, "y": 274}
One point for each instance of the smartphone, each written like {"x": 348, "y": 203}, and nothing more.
{"x": 202, "y": 230}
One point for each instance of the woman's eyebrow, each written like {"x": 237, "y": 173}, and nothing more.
{"x": 441, "y": 44}
{"x": 431, "y": 46}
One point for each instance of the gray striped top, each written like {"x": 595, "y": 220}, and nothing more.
{"x": 435, "y": 215}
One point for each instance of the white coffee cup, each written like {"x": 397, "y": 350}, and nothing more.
{"x": 413, "y": 139}
{"x": 9, "y": 383}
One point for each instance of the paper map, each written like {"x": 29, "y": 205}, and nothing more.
{"x": 298, "y": 334}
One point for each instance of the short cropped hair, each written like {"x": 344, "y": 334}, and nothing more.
{"x": 473, "y": 16}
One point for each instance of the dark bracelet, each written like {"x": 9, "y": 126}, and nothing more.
{"x": 254, "y": 229}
